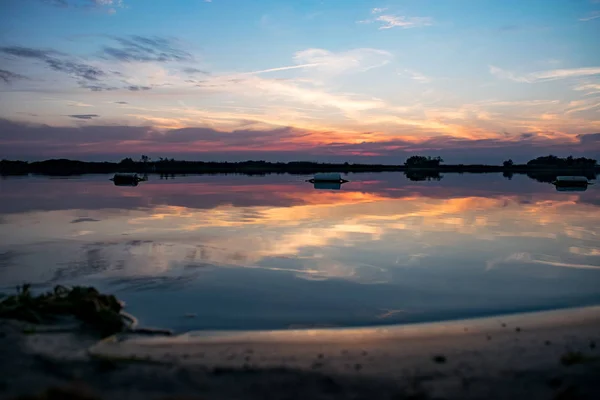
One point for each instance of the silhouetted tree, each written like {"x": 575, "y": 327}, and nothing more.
{"x": 508, "y": 163}
{"x": 554, "y": 161}
{"x": 424, "y": 162}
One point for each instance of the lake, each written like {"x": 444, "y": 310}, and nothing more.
{"x": 270, "y": 252}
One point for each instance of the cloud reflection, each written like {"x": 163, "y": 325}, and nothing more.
{"x": 361, "y": 234}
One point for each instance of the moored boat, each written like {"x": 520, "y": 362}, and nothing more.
{"x": 571, "y": 181}
{"x": 121, "y": 179}
{"x": 328, "y": 177}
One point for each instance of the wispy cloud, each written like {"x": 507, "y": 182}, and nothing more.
{"x": 84, "y": 116}
{"x": 591, "y": 16}
{"x": 286, "y": 68}
{"x": 115, "y": 67}
{"x": 415, "y": 76}
{"x": 145, "y": 49}
{"x": 355, "y": 60}
{"x": 110, "y": 6}
{"x": 9, "y": 77}
{"x": 78, "y": 104}
{"x": 59, "y": 62}
{"x": 135, "y": 88}
{"x": 520, "y": 103}
{"x": 395, "y": 21}
{"x": 589, "y": 88}
{"x": 388, "y": 21}
{"x": 501, "y": 73}
{"x": 84, "y": 219}
{"x": 193, "y": 71}
{"x": 550, "y": 75}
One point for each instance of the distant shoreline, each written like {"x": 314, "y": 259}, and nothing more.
{"x": 74, "y": 167}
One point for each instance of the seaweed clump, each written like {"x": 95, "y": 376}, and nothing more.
{"x": 101, "y": 312}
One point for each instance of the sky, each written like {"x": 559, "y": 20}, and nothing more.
{"x": 319, "y": 80}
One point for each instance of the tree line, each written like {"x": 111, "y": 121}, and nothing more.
{"x": 146, "y": 164}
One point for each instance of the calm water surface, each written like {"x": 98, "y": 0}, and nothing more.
{"x": 244, "y": 252}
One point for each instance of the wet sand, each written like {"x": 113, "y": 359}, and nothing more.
{"x": 535, "y": 356}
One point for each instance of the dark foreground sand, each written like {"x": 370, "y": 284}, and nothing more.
{"x": 551, "y": 355}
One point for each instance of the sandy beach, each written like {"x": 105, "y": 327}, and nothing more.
{"x": 545, "y": 355}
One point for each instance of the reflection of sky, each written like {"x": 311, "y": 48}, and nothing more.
{"x": 272, "y": 251}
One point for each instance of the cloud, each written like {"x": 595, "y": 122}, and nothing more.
{"x": 393, "y": 21}
{"x": 145, "y": 49}
{"x": 57, "y": 3}
{"x": 26, "y": 52}
{"x": 116, "y": 3}
{"x": 109, "y": 5}
{"x": 84, "y": 116}
{"x": 589, "y": 88}
{"x": 565, "y": 73}
{"x": 59, "y": 62}
{"x": 378, "y": 10}
{"x": 278, "y": 69}
{"x": 79, "y": 70}
{"x": 550, "y": 75}
{"x": 192, "y": 71}
{"x": 84, "y": 219}
{"x": 121, "y": 102}
{"x": 591, "y": 16}
{"x": 78, "y": 104}
{"x": 500, "y": 73}
{"x": 9, "y": 77}
{"x": 388, "y": 21}
{"x": 416, "y": 76}
{"x": 100, "y": 77}
{"x": 520, "y": 103}
{"x": 96, "y": 88}
{"x": 355, "y": 60}
{"x": 592, "y": 139}
{"x": 283, "y": 143}
{"x": 134, "y": 88}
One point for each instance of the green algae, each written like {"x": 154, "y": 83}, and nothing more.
{"x": 100, "y": 312}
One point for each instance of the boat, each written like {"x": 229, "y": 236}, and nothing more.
{"x": 571, "y": 181}
{"x": 328, "y": 177}
{"x": 120, "y": 179}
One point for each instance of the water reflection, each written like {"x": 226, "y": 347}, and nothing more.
{"x": 247, "y": 252}
{"x": 327, "y": 185}
{"x": 571, "y": 189}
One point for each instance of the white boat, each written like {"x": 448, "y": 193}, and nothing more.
{"x": 328, "y": 177}
{"x": 571, "y": 181}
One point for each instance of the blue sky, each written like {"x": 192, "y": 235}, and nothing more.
{"x": 321, "y": 80}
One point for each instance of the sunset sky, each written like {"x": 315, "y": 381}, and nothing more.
{"x": 325, "y": 80}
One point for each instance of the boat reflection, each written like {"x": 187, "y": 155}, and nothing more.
{"x": 327, "y": 185}
{"x": 571, "y": 188}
